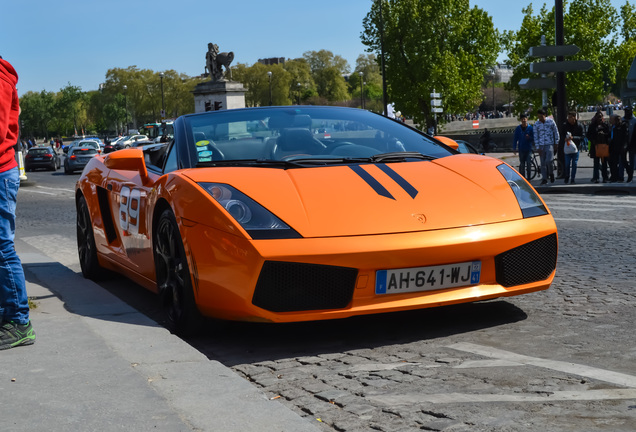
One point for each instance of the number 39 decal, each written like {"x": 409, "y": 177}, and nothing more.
{"x": 129, "y": 202}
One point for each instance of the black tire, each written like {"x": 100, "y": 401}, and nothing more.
{"x": 86, "y": 248}
{"x": 174, "y": 283}
{"x": 533, "y": 170}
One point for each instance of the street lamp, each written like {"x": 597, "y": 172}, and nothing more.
{"x": 126, "y": 105}
{"x": 163, "y": 105}
{"x": 269, "y": 75}
{"x": 298, "y": 86}
{"x": 361, "y": 89}
{"x": 494, "y": 105}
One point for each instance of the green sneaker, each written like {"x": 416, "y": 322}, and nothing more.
{"x": 13, "y": 335}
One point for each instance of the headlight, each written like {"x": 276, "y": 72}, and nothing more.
{"x": 527, "y": 198}
{"x": 259, "y": 222}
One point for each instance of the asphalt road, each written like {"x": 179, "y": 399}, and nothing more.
{"x": 558, "y": 360}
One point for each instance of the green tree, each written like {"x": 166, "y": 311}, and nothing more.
{"x": 302, "y": 85}
{"x": 367, "y": 64}
{"x": 37, "y": 113}
{"x": 589, "y": 24}
{"x": 327, "y": 71}
{"x": 432, "y": 44}
{"x": 626, "y": 51}
{"x": 70, "y": 109}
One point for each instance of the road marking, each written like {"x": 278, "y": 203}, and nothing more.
{"x": 56, "y": 189}
{"x": 566, "y": 367}
{"x": 35, "y": 191}
{"x": 501, "y": 358}
{"x": 598, "y": 221}
{"x": 587, "y": 208}
{"x": 547, "y": 396}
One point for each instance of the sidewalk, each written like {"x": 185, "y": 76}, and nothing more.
{"x": 100, "y": 365}
{"x": 583, "y": 184}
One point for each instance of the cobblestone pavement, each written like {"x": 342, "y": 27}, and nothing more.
{"x": 558, "y": 360}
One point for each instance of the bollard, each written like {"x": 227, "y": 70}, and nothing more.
{"x": 23, "y": 176}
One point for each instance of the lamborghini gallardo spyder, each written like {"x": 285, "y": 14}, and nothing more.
{"x": 282, "y": 214}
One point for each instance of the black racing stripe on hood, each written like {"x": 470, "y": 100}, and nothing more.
{"x": 368, "y": 178}
{"x": 401, "y": 181}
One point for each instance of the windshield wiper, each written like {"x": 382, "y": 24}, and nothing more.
{"x": 250, "y": 162}
{"x": 399, "y": 157}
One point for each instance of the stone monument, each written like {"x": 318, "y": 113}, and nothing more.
{"x": 220, "y": 92}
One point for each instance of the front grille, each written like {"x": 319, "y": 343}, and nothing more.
{"x": 289, "y": 287}
{"x": 531, "y": 262}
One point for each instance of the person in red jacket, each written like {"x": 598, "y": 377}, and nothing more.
{"x": 15, "y": 325}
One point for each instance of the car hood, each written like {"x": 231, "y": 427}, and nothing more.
{"x": 455, "y": 191}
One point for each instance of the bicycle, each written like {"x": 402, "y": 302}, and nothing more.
{"x": 535, "y": 166}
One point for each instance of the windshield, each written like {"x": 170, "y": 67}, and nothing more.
{"x": 305, "y": 134}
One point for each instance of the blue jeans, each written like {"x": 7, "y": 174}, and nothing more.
{"x": 546, "y": 156}
{"x": 570, "y": 159}
{"x": 14, "y": 304}
{"x": 525, "y": 156}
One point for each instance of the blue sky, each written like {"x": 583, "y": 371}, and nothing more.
{"x": 52, "y": 43}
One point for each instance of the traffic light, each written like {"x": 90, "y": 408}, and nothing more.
{"x": 217, "y": 105}
{"x": 208, "y": 106}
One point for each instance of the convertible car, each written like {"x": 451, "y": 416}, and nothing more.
{"x": 281, "y": 214}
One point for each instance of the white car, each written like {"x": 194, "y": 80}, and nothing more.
{"x": 129, "y": 141}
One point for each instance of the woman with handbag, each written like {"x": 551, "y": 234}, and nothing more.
{"x": 571, "y": 158}
{"x": 598, "y": 134}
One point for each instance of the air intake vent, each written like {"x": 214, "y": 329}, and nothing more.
{"x": 531, "y": 262}
{"x": 289, "y": 287}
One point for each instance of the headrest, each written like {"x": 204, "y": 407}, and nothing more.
{"x": 295, "y": 139}
{"x": 283, "y": 119}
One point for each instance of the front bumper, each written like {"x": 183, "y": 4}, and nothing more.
{"x": 234, "y": 279}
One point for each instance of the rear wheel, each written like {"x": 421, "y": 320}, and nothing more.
{"x": 86, "y": 248}
{"x": 173, "y": 277}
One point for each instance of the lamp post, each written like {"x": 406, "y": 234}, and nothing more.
{"x": 361, "y": 89}
{"x": 163, "y": 105}
{"x": 385, "y": 98}
{"x": 494, "y": 105}
{"x": 298, "y": 87}
{"x": 126, "y": 105}
{"x": 269, "y": 75}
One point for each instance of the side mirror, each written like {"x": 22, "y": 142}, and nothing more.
{"x": 131, "y": 159}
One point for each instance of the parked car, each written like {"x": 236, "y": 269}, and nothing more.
{"x": 90, "y": 143}
{"x": 41, "y": 157}
{"x": 142, "y": 143}
{"x": 78, "y": 157}
{"x": 129, "y": 140}
{"x": 248, "y": 214}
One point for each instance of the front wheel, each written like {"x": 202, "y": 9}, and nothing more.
{"x": 173, "y": 277}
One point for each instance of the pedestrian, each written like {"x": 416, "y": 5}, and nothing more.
{"x": 571, "y": 161}
{"x": 618, "y": 148}
{"x": 598, "y": 135}
{"x": 523, "y": 139}
{"x": 15, "y": 326}
{"x": 485, "y": 140}
{"x": 546, "y": 139}
{"x": 631, "y": 149}
{"x": 575, "y": 129}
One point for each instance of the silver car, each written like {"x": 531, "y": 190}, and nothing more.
{"x": 77, "y": 158}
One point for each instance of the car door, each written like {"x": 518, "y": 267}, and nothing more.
{"x": 129, "y": 199}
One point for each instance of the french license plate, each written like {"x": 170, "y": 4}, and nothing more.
{"x": 427, "y": 278}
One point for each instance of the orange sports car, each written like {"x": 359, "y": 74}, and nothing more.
{"x": 282, "y": 214}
